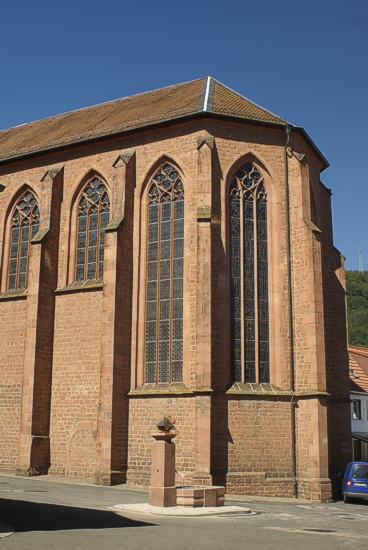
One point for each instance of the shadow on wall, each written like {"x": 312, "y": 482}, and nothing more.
{"x": 220, "y": 435}
{"x": 25, "y": 516}
{"x": 337, "y": 369}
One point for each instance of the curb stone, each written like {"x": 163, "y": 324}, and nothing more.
{"x": 5, "y": 530}
{"x": 180, "y": 511}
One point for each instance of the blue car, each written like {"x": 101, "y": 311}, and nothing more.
{"x": 355, "y": 483}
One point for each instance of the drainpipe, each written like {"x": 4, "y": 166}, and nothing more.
{"x": 291, "y": 318}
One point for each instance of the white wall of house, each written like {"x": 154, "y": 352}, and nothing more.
{"x": 359, "y": 423}
{"x": 359, "y": 412}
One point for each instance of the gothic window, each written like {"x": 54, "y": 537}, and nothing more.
{"x": 25, "y": 223}
{"x": 93, "y": 216}
{"x": 164, "y": 286}
{"x": 249, "y": 277}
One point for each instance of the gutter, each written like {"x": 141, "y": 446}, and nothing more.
{"x": 115, "y": 134}
{"x": 307, "y": 138}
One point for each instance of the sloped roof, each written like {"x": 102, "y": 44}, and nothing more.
{"x": 358, "y": 368}
{"x": 205, "y": 95}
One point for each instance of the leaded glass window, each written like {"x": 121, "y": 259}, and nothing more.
{"x": 93, "y": 216}
{"x": 25, "y": 223}
{"x": 249, "y": 277}
{"x": 164, "y": 286}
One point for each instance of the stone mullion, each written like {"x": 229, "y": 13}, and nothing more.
{"x": 28, "y": 249}
{"x": 19, "y": 256}
{"x": 74, "y": 276}
{"x": 146, "y": 302}
{"x": 171, "y": 311}
{"x": 98, "y": 242}
{"x": 158, "y": 279}
{"x": 242, "y": 283}
{"x": 255, "y": 277}
{"x": 87, "y": 244}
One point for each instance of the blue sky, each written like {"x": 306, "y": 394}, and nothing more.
{"x": 305, "y": 61}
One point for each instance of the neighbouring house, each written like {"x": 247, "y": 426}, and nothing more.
{"x": 358, "y": 365}
{"x": 172, "y": 253}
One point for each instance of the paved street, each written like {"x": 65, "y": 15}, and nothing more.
{"x": 51, "y": 515}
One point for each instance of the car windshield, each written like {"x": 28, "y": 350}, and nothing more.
{"x": 360, "y": 470}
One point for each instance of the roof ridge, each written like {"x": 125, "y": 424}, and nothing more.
{"x": 200, "y": 97}
{"x": 207, "y": 95}
{"x": 109, "y": 102}
{"x": 247, "y": 99}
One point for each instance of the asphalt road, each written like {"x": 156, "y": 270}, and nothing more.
{"x": 54, "y": 516}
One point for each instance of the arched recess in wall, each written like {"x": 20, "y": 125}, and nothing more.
{"x": 162, "y": 202}
{"x": 81, "y": 451}
{"x": 252, "y": 244}
{"x": 22, "y": 222}
{"x": 90, "y": 214}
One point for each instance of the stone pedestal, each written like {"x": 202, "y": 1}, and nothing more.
{"x": 196, "y": 496}
{"x": 162, "y": 490}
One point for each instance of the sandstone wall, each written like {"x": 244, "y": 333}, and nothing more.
{"x": 90, "y": 338}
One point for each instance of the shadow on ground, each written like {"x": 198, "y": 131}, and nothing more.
{"x": 25, "y": 516}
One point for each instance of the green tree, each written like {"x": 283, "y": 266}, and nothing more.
{"x": 357, "y": 303}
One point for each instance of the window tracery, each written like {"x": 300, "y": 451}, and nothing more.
{"x": 249, "y": 277}
{"x": 93, "y": 216}
{"x": 25, "y": 223}
{"x": 164, "y": 286}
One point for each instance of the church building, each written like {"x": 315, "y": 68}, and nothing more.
{"x": 171, "y": 253}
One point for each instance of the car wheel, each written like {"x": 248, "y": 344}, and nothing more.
{"x": 347, "y": 499}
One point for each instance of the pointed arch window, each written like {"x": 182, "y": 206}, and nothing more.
{"x": 25, "y": 222}
{"x": 93, "y": 216}
{"x": 164, "y": 286}
{"x": 249, "y": 277}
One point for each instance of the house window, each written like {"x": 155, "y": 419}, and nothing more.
{"x": 249, "y": 277}
{"x": 25, "y": 223}
{"x": 356, "y": 409}
{"x": 164, "y": 286}
{"x": 93, "y": 216}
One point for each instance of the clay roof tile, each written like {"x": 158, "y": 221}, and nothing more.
{"x": 358, "y": 367}
{"x": 204, "y": 95}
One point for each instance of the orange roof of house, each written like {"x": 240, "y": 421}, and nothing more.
{"x": 205, "y": 95}
{"x": 358, "y": 368}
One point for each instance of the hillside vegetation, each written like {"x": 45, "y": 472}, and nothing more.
{"x": 357, "y": 302}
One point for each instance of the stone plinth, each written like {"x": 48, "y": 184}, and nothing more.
{"x": 162, "y": 490}
{"x": 214, "y": 496}
{"x": 190, "y": 496}
{"x": 196, "y": 496}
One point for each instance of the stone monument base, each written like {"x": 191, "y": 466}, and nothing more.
{"x": 197, "y": 496}
{"x": 162, "y": 496}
